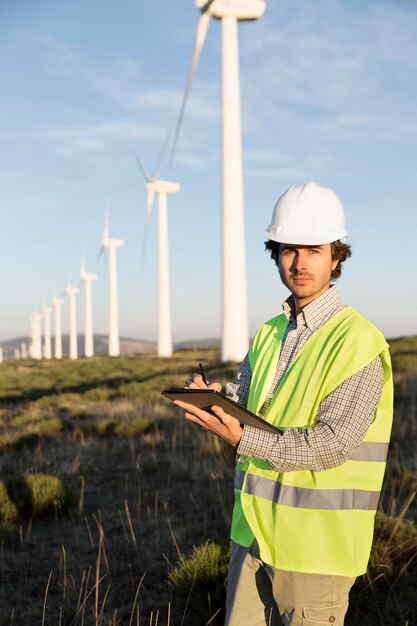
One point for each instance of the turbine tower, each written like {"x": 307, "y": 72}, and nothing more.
{"x": 58, "y": 302}
{"x": 47, "y": 312}
{"x": 32, "y": 337}
{"x": 36, "y": 345}
{"x": 72, "y": 293}
{"x": 235, "y": 331}
{"x": 88, "y": 337}
{"x": 162, "y": 188}
{"x": 111, "y": 245}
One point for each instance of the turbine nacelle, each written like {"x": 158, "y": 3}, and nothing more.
{"x": 162, "y": 186}
{"x": 241, "y": 9}
{"x": 85, "y": 276}
{"x": 107, "y": 243}
{"x": 69, "y": 290}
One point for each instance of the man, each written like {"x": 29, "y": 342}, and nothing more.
{"x": 305, "y": 499}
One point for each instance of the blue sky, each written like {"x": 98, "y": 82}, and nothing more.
{"x": 329, "y": 93}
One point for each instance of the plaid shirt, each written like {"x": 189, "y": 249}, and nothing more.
{"x": 343, "y": 416}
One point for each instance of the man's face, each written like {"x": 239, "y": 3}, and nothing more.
{"x": 305, "y": 270}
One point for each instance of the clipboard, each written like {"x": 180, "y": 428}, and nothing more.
{"x": 205, "y": 398}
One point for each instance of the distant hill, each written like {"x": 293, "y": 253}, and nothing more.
{"x": 197, "y": 343}
{"x": 128, "y": 345}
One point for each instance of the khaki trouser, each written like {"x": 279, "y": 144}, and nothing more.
{"x": 258, "y": 594}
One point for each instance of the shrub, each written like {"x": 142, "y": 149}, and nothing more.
{"x": 37, "y": 495}
{"x": 67, "y": 402}
{"x": 23, "y": 420}
{"x": 134, "y": 427}
{"x": 201, "y": 576}
{"x": 6, "y": 530}
{"x": 130, "y": 389}
{"x": 99, "y": 394}
{"x": 112, "y": 426}
{"x": 395, "y": 545}
{"x": 8, "y": 510}
{"x": 81, "y": 413}
{"x": 18, "y": 440}
{"x": 52, "y": 426}
{"x": 106, "y": 426}
{"x": 386, "y": 594}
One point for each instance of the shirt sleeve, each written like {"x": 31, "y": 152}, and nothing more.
{"x": 238, "y": 389}
{"x": 342, "y": 421}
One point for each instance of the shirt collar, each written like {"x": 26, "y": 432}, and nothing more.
{"x": 317, "y": 312}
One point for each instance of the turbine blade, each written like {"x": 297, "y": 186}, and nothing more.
{"x": 99, "y": 255}
{"x": 142, "y": 169}
{"x": 200, "y": 38}
{"x": 106, "y": 222}
{"x": 149, "y": 207}
{"x": 161, "y": 156}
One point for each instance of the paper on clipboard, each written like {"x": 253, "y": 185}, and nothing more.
{"x": 205, "y": 398}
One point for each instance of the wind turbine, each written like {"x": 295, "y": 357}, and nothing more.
{"x": 58, "y": 302}
{"x": 32, "y": 337}
{"x": 89, "y": 338}
{"x": 47, "y": 312}
{"x": 35, "y": 322}
{"x": 38, "y": 336}
{"x": 235, "y": 332}
{"x": 162, "y": 188}
{"x": 111, "y": 245}
{"x": 72, "y": 293}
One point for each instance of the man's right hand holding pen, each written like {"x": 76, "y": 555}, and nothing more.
{"x": 215, "y": 421}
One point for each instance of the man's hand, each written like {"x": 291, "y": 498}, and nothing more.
{"x": 215, "y": 421}
{"x": 196, "y": 382}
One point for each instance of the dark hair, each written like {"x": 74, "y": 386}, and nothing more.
{"x": 340, "y": 252}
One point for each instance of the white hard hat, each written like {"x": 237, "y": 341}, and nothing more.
{"x": 308, "y": 215}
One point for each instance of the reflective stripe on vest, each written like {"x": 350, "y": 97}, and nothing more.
{"x": 327, "y": 499}
{"x": 372, "y": 451}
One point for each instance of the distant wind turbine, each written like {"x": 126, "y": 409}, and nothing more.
{"x": 111, "y": 245}
{"x": 235, "y": 332}
{"x": 72, "y": 293}
{"x": 162, "y": 188}
{"x": 32, "y": 337}
{"x": 89, "y": 337}
{"x": 23, "y": 350}
{"x": 58, "y": 302}
{"x": 36, "y": 331}
{"x": 47, "y": 312}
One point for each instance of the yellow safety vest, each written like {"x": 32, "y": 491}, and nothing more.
{"x": 309, "y": 521}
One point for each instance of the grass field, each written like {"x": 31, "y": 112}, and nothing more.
{"x": 114, "y": 511}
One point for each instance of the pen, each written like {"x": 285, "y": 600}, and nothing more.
{"x": 203, "y": 376}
